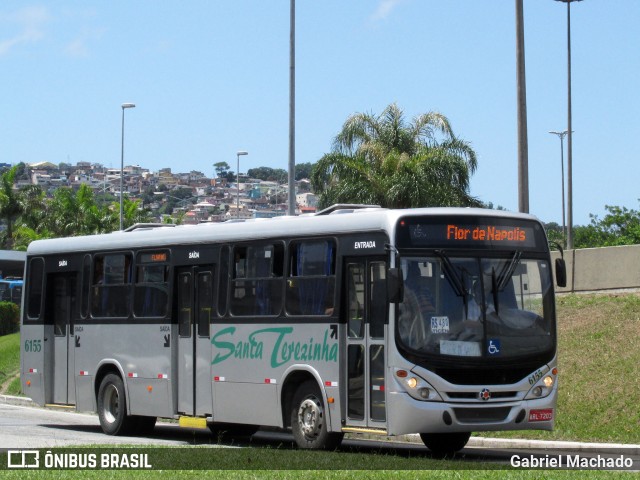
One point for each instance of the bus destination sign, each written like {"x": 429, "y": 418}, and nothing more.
{"x": 486, "y": 232}
{"x": 467, "y": 234}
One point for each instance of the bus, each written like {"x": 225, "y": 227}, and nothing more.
{"x": 356, "y": 319}
{"x": 11, "y": 289}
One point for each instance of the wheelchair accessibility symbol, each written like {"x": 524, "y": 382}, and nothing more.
{"x": 494, "y": 347}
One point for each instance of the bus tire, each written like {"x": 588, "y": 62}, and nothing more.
{"x": 445, "y": 443}
{"x": 112, "y": 406}
{"x": 309, "y": 419}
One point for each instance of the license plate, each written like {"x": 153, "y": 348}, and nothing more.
{"x": 542, "y": 415}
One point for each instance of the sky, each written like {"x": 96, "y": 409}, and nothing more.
{"x": 210, "y": 78}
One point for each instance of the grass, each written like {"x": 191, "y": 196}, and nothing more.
{"x": 317, "y": 474}
{"x": 599, "y": 365}
{"x": 288, "y": 463}
{"x": 599, "y": 394}
{"x": 10, "y": 364}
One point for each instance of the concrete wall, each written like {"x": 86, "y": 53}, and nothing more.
{"x": 605, "y": 268}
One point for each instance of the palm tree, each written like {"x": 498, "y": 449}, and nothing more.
{"x": 10, "y": 205}
{"x": 386, "y": 161}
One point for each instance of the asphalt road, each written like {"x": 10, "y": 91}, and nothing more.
{"x": 27, "y": 427}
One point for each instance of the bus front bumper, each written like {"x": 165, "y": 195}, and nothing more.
{"x": 407, "y": 415}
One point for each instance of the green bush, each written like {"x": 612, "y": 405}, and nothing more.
{"x": 9, "y": 318}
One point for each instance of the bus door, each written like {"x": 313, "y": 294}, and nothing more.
{"x": 195, "y": 303}
{"x": 61, "y": 305}
{"x": 367, "y": 311}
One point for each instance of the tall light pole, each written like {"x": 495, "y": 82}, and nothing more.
{"x": 292, "y": 107}
{"x": 569, "y": 135}
{"x": 241, "y": 152}
{"x": 523, "y": 145}
{"x": 561, "y": 136}
{"x": 124, "y": 107}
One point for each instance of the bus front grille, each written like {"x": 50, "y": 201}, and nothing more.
{"x": 481, "y": 415}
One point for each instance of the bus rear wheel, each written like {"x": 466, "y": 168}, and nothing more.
{"x": 309, "y": 419}
{"x": 445, "y": 443}
{"x": 112, "y": 406}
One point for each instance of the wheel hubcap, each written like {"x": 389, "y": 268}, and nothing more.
{"x": 112, "y": 403}
{"x": 310, "y": 417}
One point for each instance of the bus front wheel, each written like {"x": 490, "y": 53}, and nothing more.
{"x": 309, "y": 419}
{"x": 445, "y": 443}
{"x": 112, "y": 406}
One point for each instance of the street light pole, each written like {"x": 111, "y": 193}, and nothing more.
{"x": 521, "y": 87}
{"x": 569, "y": 135}
{"x": 124, "y": 106}
{"x": 561, "y": 136}
{"x": 238, "y": 182}
{"x": 292, "y": 108}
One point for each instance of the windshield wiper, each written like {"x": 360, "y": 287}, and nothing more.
{"x": 494, "y": 289}
{"x": 507, "y": 271}
{"x": 450, "y": 273}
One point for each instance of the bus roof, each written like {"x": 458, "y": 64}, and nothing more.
{"x": 338, "y": 221}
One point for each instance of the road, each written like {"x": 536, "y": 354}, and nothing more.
{"x": 25, "y": 427}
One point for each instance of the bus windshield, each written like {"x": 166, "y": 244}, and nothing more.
{"x": 463, "y": 306}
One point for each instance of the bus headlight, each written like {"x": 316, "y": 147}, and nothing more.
{"x": 543, "y": 387}
{"x": 417, "y": 387}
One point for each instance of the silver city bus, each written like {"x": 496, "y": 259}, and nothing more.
{"x": 432, "y": 321}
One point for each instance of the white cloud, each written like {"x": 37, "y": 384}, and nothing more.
{"x": 79, "y": 47}
{"x": 385, "y": 7}
{"x": 29, "y": 23}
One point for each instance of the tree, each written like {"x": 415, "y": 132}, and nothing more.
{"x": 620, "y": 226}
{"x": 303, "y": 170}
{"x": 71, "y": 213}
{"x": 223, "y": 170}
{"x": 10, "y": 206}
{"x": 386, "y": 161}
{"x": 268, "y": 174}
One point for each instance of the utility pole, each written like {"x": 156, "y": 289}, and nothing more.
{"x": 523, "y": 147}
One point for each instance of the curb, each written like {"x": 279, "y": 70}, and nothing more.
{"x": 20, "y": 401}
{"x": 474, "y": 442}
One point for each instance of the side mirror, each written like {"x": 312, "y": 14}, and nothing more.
{"x": 561, "y": 272}
{"x": 395, "y": 285}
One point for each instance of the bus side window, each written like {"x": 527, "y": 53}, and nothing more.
{"x": 36, "y": 283}
{"x": 257, "y": 280}
{"x": 151, "y": 291}
{"x": 311, "y": 282}
{"x": 111, "y": 292}
{"x": 86, "y": 286}
{"x": 223, "y": 284}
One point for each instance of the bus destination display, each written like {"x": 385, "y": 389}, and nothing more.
{"x": 465, "y": 234}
